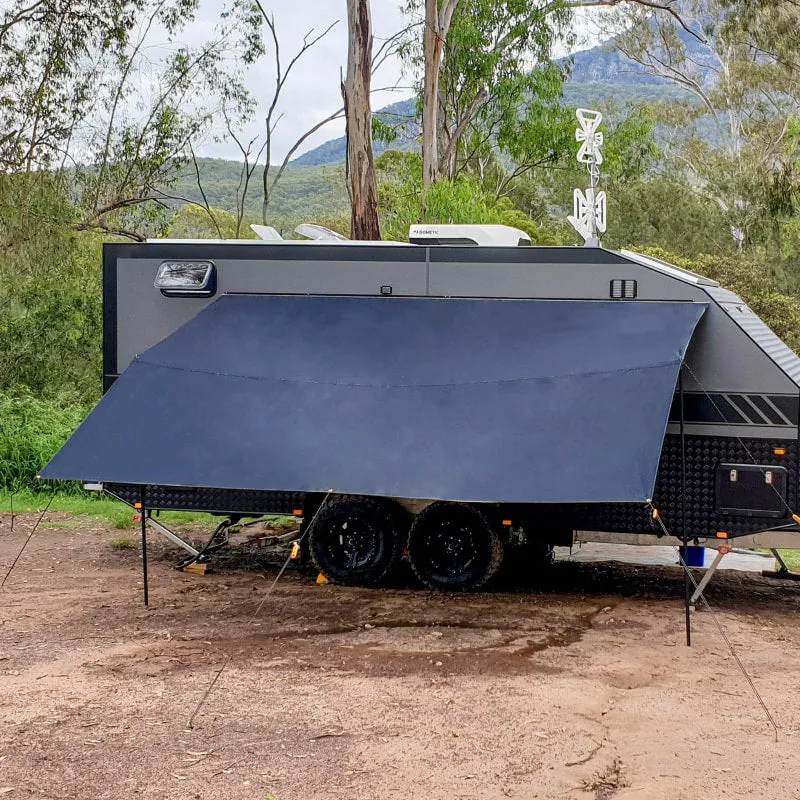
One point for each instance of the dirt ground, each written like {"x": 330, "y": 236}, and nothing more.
{"x": 578, "y": 687}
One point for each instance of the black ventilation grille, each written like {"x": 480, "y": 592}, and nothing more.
{"x": 622, "y": 289}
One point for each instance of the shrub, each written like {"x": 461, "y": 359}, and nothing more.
{"x": 780, "y": 310}
{"x": 31, "y": 431}
{"x": 50, "y": 293}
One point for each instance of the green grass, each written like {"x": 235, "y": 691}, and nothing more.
{"x": 92, "y": 506}
{"x": 792, "y": 559}
{"x": 102, "y": 507}
{"x": 61, "y": 524}
{"x": 122, "y": 544}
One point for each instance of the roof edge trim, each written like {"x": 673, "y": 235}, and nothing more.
{"x": 663, "y": 267}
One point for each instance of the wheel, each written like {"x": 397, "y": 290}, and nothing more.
{"x": 454, "y": 548}
{"x": 356, "y": 541}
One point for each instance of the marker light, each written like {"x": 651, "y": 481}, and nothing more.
{"x": 186, "y": 279}
{"x": 779, "y": 451}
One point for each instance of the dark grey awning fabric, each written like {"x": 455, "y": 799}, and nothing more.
{"x": 473, "y": 400}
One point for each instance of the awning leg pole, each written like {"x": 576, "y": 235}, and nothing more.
{"x": 144, "y": 549}
{"x": 707, "y": 577}
{"x": 687, "y": 589}
{"x": 688, "y": 599}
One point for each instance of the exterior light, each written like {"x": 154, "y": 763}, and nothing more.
{"x": 186, "y": 279}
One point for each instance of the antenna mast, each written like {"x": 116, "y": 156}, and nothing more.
{"x": 589, "y": 209}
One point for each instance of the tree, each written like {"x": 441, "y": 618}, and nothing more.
{"x": 476, "y": 54}
{"x": 438, "y": 18}
{"x": 485, "y": 65}
{"x": 768, "y": 25}
{"x": 403, "y": 201}
{"x": 283, "y": 72}
{"x": 751, "y": 98}
{"x": 85, "y": 96}
{"x": 361, "y": 180}
{"x": 136, "y": 154}
{"x": 50, "y": 294}
{"x": 52, "y": 56}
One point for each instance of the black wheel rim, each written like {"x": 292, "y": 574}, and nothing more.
{"x": 353, "y": 544}
{"x": 452, "y": 549}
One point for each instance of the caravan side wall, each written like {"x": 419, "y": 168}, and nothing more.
{"x": 741, "y": 391}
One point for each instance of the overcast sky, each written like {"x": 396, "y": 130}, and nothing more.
{"x": 313, "y": 90}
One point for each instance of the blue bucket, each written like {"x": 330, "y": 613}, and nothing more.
{"x": 693, "y": 556}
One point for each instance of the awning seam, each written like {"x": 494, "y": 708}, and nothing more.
{"x": 493, "y": 382}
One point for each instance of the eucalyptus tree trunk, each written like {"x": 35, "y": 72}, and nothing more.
{"x": 438, "y": 16}
{"x": 361, "y": 180}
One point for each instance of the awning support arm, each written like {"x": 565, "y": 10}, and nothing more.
{"x": 783, "y": 571}
{"x": 173, "y": 537}
{"x": 710, "y": 570}
{"x": 783, "y": 567}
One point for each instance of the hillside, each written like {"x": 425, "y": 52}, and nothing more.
{"x": 597, "y": 75}
{"x": 402, "y": 116}
{"x": 304, "y": 193}
{"x": 332, "y": 152}
{"x": 313, "y": 185}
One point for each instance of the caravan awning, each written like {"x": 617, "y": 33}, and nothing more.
{"x": 457, "y": 399}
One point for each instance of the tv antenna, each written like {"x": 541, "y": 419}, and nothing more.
{"x": 589, "y": 207}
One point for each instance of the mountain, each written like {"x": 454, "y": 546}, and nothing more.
{"x": 313, "y": 186}
{"x": 596, "y": 75}
{"x": 602, "y": 64}
{"x": 401, "y": 116}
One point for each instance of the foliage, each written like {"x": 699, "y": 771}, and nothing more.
{"x": 401, "y": 118}
{"x": 498, "y": 89}
{"x": 156, "y": 109}
{"x": 51, "y": 59}
{"x": 90, "y": 91}
{"x": 50, "y": 317}
{"x": 464, "y": 200}
{"x": 195, "y": 222}
{"x": 751, "y": 94}
{"x": 779, "y": 310}
{"x": 662, "y": 211}
{"x": 304, "y": 194}
{"x": 31, "y": 431}
{"x": 630, "y": 152}
{"x": 499, "y": 85}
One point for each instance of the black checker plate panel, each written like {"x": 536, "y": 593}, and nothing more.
{"x": 219, "y": 501}
{"x": 703, "y": 455}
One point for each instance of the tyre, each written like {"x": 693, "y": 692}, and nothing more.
{"x": 357, "y": 541}
{"x": 454, "y": 548}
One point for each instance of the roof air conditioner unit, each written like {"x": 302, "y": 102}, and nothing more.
{"x": 470, "y": 235}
